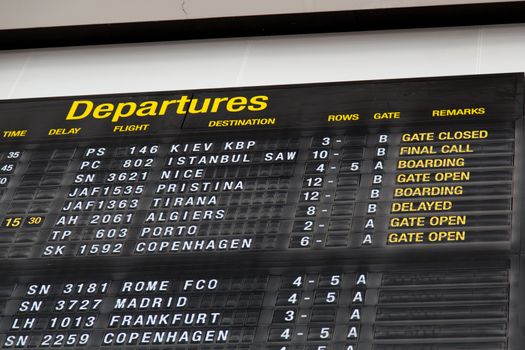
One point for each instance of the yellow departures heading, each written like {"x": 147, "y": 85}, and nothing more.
{"x": 81, "y": 109}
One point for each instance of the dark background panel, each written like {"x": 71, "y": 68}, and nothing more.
{"x": 298, "y": 106}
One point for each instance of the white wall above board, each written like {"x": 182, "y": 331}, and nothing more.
{"x": 187, "y": 65}
{"x": 50, "y": 13}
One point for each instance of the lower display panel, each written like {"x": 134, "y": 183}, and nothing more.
{"x": 428, "y": 306}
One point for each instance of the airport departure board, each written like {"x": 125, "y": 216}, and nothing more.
{"x": 377, "y": 215}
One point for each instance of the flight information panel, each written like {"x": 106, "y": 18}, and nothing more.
{"x": 377, "y": 215}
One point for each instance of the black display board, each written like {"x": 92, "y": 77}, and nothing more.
{"x": 381, "y": 215}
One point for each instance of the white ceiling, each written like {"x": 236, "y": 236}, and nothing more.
{"x": 49, "y": 13}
